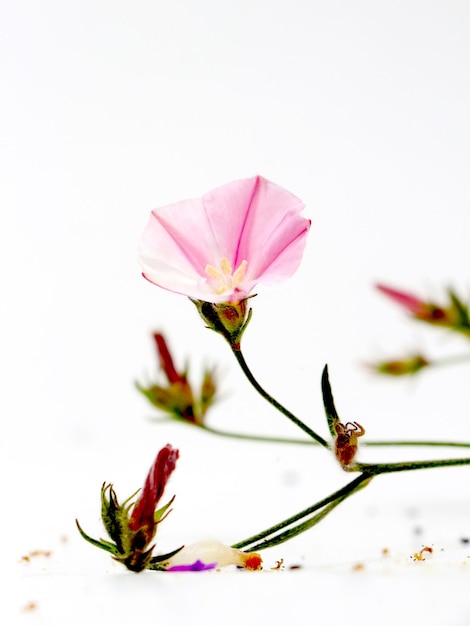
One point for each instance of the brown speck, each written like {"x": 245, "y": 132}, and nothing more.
{"x": 385, "y": 551}
{"x": 419, "y": 556}
{"x": 278, "y": 565}
{"x": 295, "y": 566}
{"x": 26, "y": 558}
{"x": 45, "y": 553}
{"x": 358, "y": 567}
{"x": 31, "y": 606}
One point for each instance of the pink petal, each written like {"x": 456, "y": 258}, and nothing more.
{"x": 250, "y": 220}
{"x": 407, "y": 300}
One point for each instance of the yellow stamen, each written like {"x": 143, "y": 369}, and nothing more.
{"x": 224, "y": 278}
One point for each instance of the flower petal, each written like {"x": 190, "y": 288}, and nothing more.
{"x": 251, "y": 226}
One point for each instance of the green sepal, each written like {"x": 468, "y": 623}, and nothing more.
{"x": 155, "y": 561}
{"x": 104, "y": 545}
{"x": 114, "y": 517}
{"x": 162, "y": 512}
{"x": 332, "y": 416}
{"x": 230, "y": 319}
{"x": 461, "y": 310}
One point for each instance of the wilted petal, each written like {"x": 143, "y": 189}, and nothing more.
{"x": 197, "y": 566}
{"x": 218, "y": 553}
{"x": 217, "y": 248}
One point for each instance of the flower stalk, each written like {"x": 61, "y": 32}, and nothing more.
{"x": 277, "y": 405}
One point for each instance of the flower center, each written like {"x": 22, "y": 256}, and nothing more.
{"x": 223, "y": 277}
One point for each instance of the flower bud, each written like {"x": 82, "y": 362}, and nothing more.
{"x": 401, "y": 367}
{"x": 132, "y": 525}
{"x": 177, "y": 398}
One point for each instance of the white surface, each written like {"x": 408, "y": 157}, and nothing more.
{"x": 109, "y": 109}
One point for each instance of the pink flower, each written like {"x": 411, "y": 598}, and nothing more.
{"x": 218, "y": 247}
{"x": 425, "y": 311}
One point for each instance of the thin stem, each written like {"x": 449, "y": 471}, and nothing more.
{"x": 437, "y": 444}
{"x": 451, "y": 360}
{"x": 310, "y": 442}
{"x": 340, "y": 495}
{"x": 374, "y": 469}
{"x": 246, "y": 370}
{"x": 290, "y": 533}
{"x": 262, "y": 438}
{"x": 271, "y": 536}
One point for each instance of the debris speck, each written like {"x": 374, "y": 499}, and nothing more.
{"x": 358, "y": 567}
{"x": 420, "y": 556}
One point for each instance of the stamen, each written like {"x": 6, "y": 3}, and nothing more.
{"x": 224, "y": 278}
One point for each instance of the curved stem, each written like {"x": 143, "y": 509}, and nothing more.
{"x": 246, "y": 370}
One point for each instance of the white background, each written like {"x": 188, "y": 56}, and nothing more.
{"x": 110, "y": 109}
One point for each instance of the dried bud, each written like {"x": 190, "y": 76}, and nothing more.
{"x": 403, "y": 367}
{"x": 345, "y": 444}
{"x": 177, "y": 398}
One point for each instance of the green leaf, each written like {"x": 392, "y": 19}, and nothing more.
{"x": 332, "y": 416}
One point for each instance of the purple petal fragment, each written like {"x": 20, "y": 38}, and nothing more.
{"x": 197, "y": 566}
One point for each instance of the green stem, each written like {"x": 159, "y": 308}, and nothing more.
{"x": 261, "y": 438}
{"x": 310, "y": 442}
{"x": 272, "y": 536}
{"x": 451, "y": 360}
{"x": 374, "y": 469}
{"x": 290, "y": 533}
{"x": 246, "y": 370}
{"x": 260, "y": 540}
